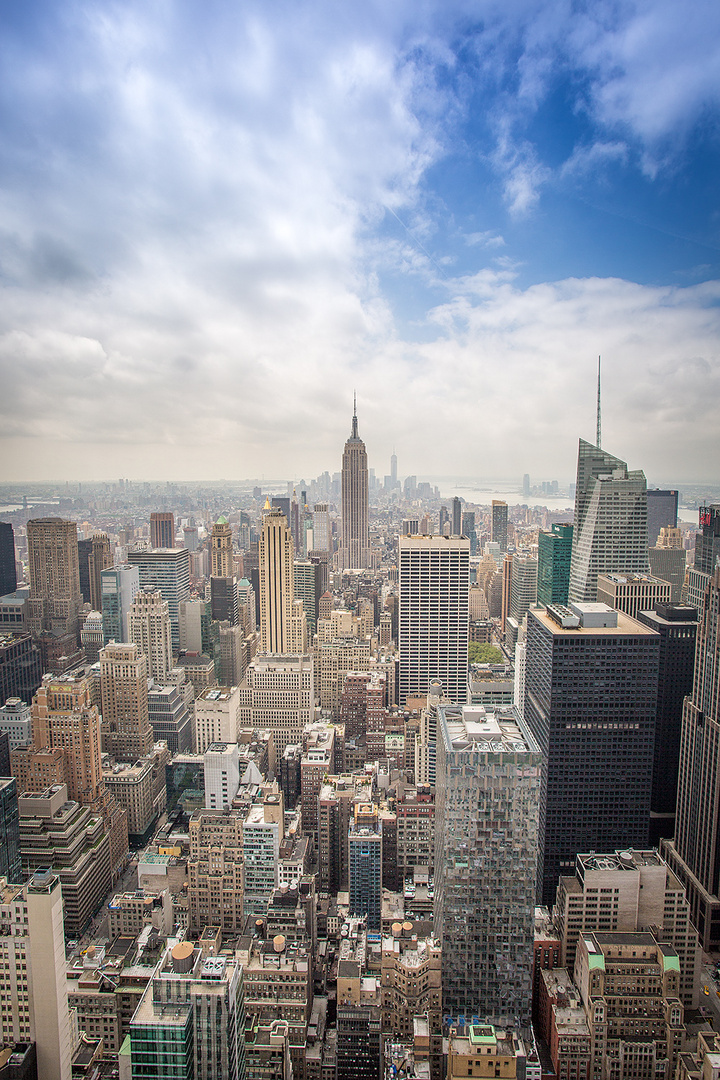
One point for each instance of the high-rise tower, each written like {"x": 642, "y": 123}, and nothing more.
{"x": 150, "y": 630}
{"x": 55, "y": 596}
{"x": 695, "y": 853}
{"x": 499, "y": 523}
{"x": 434, "y": 587}
{"x": 222, "y": 549}
{"x": 8, "y": 574}
{"x": 355, "y": 551}
{"x": 126, "y": 730}
{"x": 162, "y": 530}
{"x": 283, "y": 627}
{"x": 610, "y": 530}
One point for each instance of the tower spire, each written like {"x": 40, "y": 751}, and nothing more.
{"x": 599, "y": 428}
{"x": 354, "y": 420}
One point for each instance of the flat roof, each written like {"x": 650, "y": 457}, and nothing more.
{"x": 625, "y": 626}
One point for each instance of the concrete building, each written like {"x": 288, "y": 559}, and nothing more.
{"x": 283, "y": 626}
{"x": 498, "y": 524}
{"x": 263, "y": 832}
{"x": 632, "y": 593}
{"x": 625, "y": 892}
{"x": 486, "y": 854}
{"x": 133, "y": 788}
{"x": 523, "y": 585}
{"x": 32, "y": 973}
{"x": 53, "y": 565}
{"x": 279, "y": 985}
{"x": 669, "y": 564}
{"x": 610, "y": 530}
{"x": 91, "y": 636}
{"x": 694, "y": 854}
{"x": 72, "y": 839}
{"x": 278, "y": 695}
{"x": 365, "y": 864}
{"x": 486, "y": 1051}
{"x": 355, "y": 554}
{"x": 629, "y": 986}
{"x": 126, "y": 730}
{"x": 410, "y": 976}
{"x": 433, "y": 623}
{"x": 222, "y": 775}
{"x": 150, "y": 630}
{"x": 166, "y": 569}
{"x": 217, "y": 717}
{"x": 129, "y": 913}
{"x": 170, "y": 718}
{"x": 16, "y": 721}
{"x": 216, "y": 870}
{"x": 590, "y": 699}
{"x": 63, "y": 718}
{"x": 118, "y": 586}
{"x": 317, "y": 762}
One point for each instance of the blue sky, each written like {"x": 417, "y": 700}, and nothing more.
{"x": 218, "y": 221}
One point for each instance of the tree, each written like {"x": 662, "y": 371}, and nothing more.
{"x": 480, "y": 653}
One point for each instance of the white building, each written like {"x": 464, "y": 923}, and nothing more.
{"x": 149, "y": 626}
{"x": 217, "y": 712}
{"x": 434, "y": 578}
{"x": 222, "y": 775}
{"x": 16, "y": 720}
{"x": 278, "y": 694}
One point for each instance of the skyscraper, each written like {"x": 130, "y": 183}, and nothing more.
{"x": 355, "y": 551}
{"x": 610, "y": 530}
{"x": 167, "y": 569}
{"x": 707, "y": 541}
{"x": 162, "y": 530}
{"x": 456, "y": 516}
{"x": 590, "y": 695}
{"x": 126, "y": 729}
{"x": 554, "y": 552}
{"x": 486, "y": 853}
{"x": 8, "y": 573}
{"x": 150, "y": 631}
{"x": 498, "y": 524}
{"x": 662, "y": 512}
{"x": 322, "y": 537}
{"x": 221, "y": 549}
{"x": 63, "y": 717}
{"x": 433, "y": 623}
{"x": 283, "y": 627}
{"x": 55, "y": 596}
{"x": 119, "y": 586}
{"x": 100, "y": 559}
{"x": 695, "y": 853}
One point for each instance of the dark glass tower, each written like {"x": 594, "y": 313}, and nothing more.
{"x": 662, "y": 512}
{"x": 590, "y": 695}
{"x": 554, "y": 552}
{"x": 8, "y": 574}
{"x": 677, "y": 626}
{"x": 10, "y": 863}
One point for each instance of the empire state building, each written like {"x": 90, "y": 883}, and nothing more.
{"x": 355, "y": 551}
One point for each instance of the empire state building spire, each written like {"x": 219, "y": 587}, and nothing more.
{"x": 355, "y": 551}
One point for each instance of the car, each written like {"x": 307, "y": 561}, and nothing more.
{"x": 706, "y": 990}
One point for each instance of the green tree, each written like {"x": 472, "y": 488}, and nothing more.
{"x": 480, "y": 653}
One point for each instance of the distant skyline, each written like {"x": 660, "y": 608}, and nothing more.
{"x": 219, "y": 222}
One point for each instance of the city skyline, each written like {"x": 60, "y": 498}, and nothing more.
{"x": 216, "y": 227}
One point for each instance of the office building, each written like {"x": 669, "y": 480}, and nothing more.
{"x": 216, "y": 870}
{"x": 126, "y": 730}
{"x": 624, "y": 892}
{"x": 10, "y": 864}
{"x": 434, "y": 576}
{"x": 523, "y": 585}
{"x": 632, "y": 593}
{"x": 457, "y": 516}
{"x": 669, "y": 564}
{"x": 224, "y": 599}
{"x": 365, "y": 864}
{"x": 99, "y": 558}
{"x": 132, "y": 786}
{"x": 118, "y": 587}
{"x": 263, "y": 833}
{"x": 554, "y": 552}
{"x": 64, "y": 718}
{"x": 707, "y": 540}
{"x": 20, "y": 666}
{"x": 694, "y": 854}
{"x": 217, "y": 717}
{"x": 162, "y": 530}
{"x": 610, "y": 530}
{"x": 307, "y": 578}
{"x": 91, "y": 636}
{"x": 677, "y": 627}
{"x": 278, "y": 695}
{"x": 591, "y": 678}
{"x": 662, "y": 513}
{"x": 150, "y": 630}
{"x": 190, "y": 1022}
{"x": 190, "y": 537}
{"x": 480, "y": 1049}
{"x": 170, "y": 718}
{"x": 15, "y": 721}
{"x": 321, "y": 529}
{"x": 359, "y": 1041}
{"x": 354, "y": 553}
{"x": 486, "y": 855}
{"x": 222, "y": 775}
{"x": 14, "y": 611}
{"x": 499, "y": 524}
{"x": 221, "y": 549}
{"x": 234, "y": 654}
{"x": 54, "y": 569}
{"x": 8, "y": 571}
{"x": 636, "y": 1023}
{"x": 283, "y": 626}
{"x": 166, "y": 569}
{"x": 32, "y": 973}
{"x": 194, "y": 617}
{"x": 57, "y": 832}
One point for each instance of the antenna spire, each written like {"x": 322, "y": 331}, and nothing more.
{"x": 599, "y": 425}
{"x": 354, "y": 420}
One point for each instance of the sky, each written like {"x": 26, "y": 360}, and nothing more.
{"x": 219, "y": 220}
